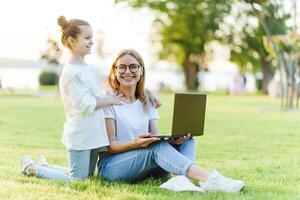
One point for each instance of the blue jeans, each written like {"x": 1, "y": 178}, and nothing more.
{"x": 82, "y": 163}
{"x": 158, "y": 160}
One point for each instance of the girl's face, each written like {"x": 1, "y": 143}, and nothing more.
{"x": 128, "y": 71}
{"x": 82, "y": 44}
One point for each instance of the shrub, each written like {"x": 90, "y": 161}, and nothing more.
{"x": 48, "y": 78}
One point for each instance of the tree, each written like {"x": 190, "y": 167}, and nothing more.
{"x": 100, "y": 45}
{"x": 284, "y": 48}
{"x": 52, "y": 53}
{"x": 246, "y": 37}
{"x": 185, "y": 27}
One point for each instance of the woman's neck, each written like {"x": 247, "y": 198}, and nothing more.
{"x": 129, "y": 93}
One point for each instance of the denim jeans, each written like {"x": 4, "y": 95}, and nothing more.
{"x": 159, "y": 158}
{"x": 82, "y": 163}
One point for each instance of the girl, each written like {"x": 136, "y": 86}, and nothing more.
{"x": 133, "y": 153}
{"x": 84, "y": 131}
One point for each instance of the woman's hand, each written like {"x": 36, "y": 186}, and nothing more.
{"x": 180, "y": 140}
{"x": 144, "y": 140}
{"x": 154, "y": 100}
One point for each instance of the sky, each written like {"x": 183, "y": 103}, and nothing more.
{"x": 25, "y": 26}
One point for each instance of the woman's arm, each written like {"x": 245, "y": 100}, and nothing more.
{"x": 153, "y": 127}
{"x": 142, "y": 140}
{"x": 115, "y": 146}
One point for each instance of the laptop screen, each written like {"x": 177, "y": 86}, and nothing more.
{"x": 189, "y": 114}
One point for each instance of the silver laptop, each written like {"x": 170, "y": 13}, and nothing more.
{"x": 188, "y": 115}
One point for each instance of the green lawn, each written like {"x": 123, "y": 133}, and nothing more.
{"x": 245, "y": 137}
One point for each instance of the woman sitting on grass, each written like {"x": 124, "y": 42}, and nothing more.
{"x": 133, "y": 154}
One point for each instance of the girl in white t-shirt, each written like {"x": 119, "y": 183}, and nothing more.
{"x": 84, "y": 130}
{"x": 134, "y": 151}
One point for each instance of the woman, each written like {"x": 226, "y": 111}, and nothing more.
{"x": 134, "y": 153}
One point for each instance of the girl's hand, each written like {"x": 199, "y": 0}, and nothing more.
{"x": 115, "y": 99}
{"x": 144, "y": 140}
{"x": 154, "y": 100}
{"x": 180, "y": 140}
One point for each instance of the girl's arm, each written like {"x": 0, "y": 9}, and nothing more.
{"x": 109, "y": 99}
{"x": 153, "y": 99}
{"x": 84, "y": 102}
{"x": 141, "y": 141}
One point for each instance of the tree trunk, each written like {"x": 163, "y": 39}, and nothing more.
{"x": 298, "y": 95}
{"x": 282, "y": 85}
{"x": 292, "y": 82}
{"x": 267, "y": 73}
{"x": 191, "y": 71}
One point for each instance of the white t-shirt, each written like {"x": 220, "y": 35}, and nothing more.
{"x": 131, "y": 119}
{"x": 85, "y": 128}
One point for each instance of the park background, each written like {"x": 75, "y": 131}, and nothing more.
{"x": 243, "y": 54}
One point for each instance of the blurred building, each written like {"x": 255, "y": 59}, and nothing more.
{"x": 22, "y": 74}
{"x": 225, "y": 75}
{"x": 165, "y": 78}
{"x": 221, "y": 74}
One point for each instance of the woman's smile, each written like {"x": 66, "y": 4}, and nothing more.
{"x": 128, "y": 77}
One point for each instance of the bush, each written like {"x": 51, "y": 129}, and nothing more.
{"x": 48, "y": 78}
{"x": 259, "y": 84}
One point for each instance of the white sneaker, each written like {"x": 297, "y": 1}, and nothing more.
{"x": 179, "y": 184}
{"x": 219, "y": 183}
{"x": 41, "y": 161}
{"x": 25, "y": 162}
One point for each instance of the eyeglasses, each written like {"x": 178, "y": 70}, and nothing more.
{"x": 133, "y": 68}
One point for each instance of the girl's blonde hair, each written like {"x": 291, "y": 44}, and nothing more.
{"x": 70, "y": 28}
{"x": 114, "y": 84}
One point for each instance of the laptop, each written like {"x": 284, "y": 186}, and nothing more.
{"x": 188, "y": 115}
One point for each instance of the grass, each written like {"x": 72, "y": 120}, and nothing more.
{"x": 246, "y": 137}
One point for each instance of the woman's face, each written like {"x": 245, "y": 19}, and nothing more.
{"x": 128, "y": 71}
{"x": 83, "y": 43}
